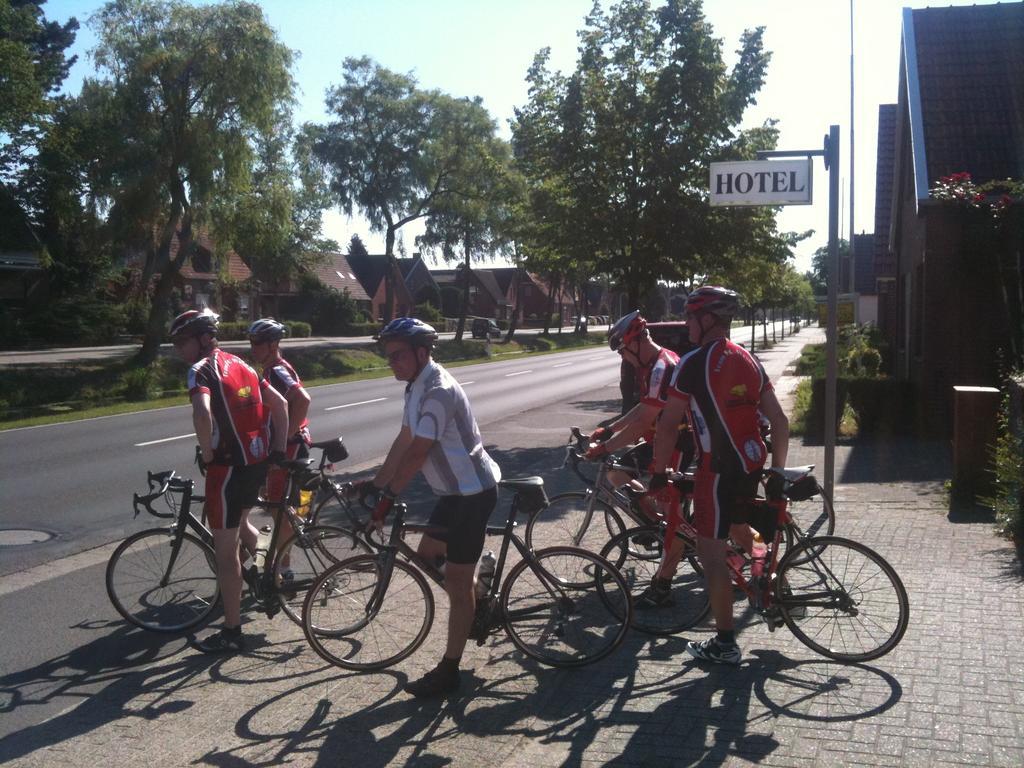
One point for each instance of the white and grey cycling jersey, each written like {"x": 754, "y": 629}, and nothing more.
{"x": 436, "y": 407}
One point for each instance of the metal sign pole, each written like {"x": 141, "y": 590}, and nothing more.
{"x": 830, "y": 153}
{"x": 831, "y": 329}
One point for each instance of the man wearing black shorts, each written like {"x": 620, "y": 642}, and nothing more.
{"x": 439, "y": 437}
{"x": 230, "y": 406}
{"x": 725, "y": 391}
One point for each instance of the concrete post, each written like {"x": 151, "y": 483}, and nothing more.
{"x": 975, "y": 420}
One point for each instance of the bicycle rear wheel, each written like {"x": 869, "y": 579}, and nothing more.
{"x": 363, "y": 615}
{"x": 566, "y": 524}
{"x": 842, "y": 599}
{"x": 159, "y": 595}
{"x": 566, "y": 607}
{"x": 637, "y": 554}
{"x": 308, "y": 554}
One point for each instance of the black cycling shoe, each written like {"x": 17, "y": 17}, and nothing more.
{"x": 437, "y": 682}
{"x": 225, "y": 641}
{"x": 653, "y": 597}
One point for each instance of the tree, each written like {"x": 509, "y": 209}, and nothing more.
{"x": 59, "y": 189}
{"x": 195, "y": 96}
{"x": 630, "y": 135}
{"x": 476, "y": 213}
{"x": 277, "y": 221}
{"x": 392, "y": 150}
{"x": 32, "y": 66}
{"x": 820, "y": 263}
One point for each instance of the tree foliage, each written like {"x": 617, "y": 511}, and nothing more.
{"x": 617, "y": 153}
{"x": 196, "y": 97}
{"x": 33, "y": 64}
{"x": 397, "y": 153}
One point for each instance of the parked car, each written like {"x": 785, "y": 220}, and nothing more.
{"x": 672, "y": 335}
{"x": 484, "y": 327}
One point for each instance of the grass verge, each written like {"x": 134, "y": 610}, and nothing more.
{"x": 41, "y": 394}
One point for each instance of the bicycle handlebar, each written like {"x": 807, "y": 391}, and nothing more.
{"x": 163, "y": 479}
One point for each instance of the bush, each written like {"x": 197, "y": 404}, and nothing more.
{"x": 428, "y": 313}
{"x": 140, "y": 384}
{"x": 540, "y": 343}
{"x": 76, "y": 320}
{"x": 1007, "y": 501}
{"x": 362, "y": 329}
{"x": 863, "y": 361}
{"x": 232, "y": 331}
{"x": 880, "y": 406}
{"x": 298, "y": 329}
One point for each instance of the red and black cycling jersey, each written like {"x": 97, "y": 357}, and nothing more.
{"x": 284, "y": 379}
{"x": 654, "y": 379}
{"x": 724, "y": 383}
{"x": 240, "y": 426}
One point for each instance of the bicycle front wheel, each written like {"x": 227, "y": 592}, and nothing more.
{"x": 362, "y": 614}
{"x": 638, "y": 554}
{"x": 305, "y": 556}
{"x": 567, "y": 522}
{"x": 566, "y": 607}
{"x": 842, "y": 599}
{"x": 160, "y": 587}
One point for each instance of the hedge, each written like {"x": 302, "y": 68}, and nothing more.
{"x": 881, "y": 405}
{"x": 238, "y": 331}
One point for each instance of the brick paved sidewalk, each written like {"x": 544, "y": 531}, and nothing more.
{"x": 951, "y": 694}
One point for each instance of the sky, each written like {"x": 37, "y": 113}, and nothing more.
{"x": 484, "y": 47}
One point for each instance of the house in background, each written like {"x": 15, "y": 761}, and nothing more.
{"x": 960, "y": 109}
{"x": 419, "y": 281}
{"x": 223, "y": 283}
{"x": 332, "y": 270}
{"x": 370, "y": 269}
{"x": 486, "y": 299}
{"x": 23, "y": 280}
{"x": 884, "y": 260}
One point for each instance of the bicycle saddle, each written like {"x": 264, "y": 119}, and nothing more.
{"x": 529, "y": 491}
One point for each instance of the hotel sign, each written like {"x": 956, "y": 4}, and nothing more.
{"x": 762, "y": 182}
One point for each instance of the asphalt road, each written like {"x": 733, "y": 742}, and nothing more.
{"x": 62, "y": 639}
{"x": 73, "y": 482}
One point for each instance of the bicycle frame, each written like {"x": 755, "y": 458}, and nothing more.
{"x": 396, "y": 545}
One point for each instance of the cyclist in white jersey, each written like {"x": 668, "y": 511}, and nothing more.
{"x": 440, "y": 437}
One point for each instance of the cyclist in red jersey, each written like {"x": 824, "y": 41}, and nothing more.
{"x": 725, "y": 390}
{"x": 654, "y": 365}
{"x": 265, "y": 337}
{"x": 229, "y": 403}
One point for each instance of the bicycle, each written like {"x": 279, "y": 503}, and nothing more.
{"x": 576, "y": 509}
{"x": 562, "y": 606}
{"x": 570, "y": 514}
{"x": 164, "y": 579}
{"x": 839, "y": 597}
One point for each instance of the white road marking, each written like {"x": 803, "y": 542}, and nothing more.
{"x": 165, "y": 440}
{"x": 517, "y": 373}
{"x": 349, "y": 405}
{"x": 561, "y": 365}
{"x": 466, "y": 383}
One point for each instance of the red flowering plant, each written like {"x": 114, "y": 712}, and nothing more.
{"x": 997, "y": 196}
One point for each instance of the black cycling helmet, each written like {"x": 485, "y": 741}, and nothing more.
{"x": 409, "y": 329}
{"x": 626, "y": 329}
{"x": 266, "y": 329}
{"x": 194, "y": 322}
{"x": 715, "y": 300}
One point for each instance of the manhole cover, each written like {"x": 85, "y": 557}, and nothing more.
{"x": 17, "y": 537}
